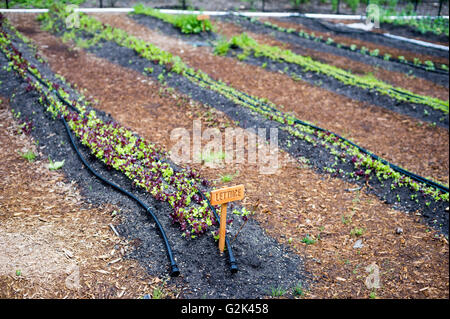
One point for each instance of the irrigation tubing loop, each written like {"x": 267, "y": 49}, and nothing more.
{"x": 174, "y": 269}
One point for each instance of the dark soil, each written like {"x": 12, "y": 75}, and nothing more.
{"x": 421, "y": 112}
{"x": 373, "y": 97}
{"x": 434, "y": 212}
{"x": 373, "y": 37}
{"x": 199, "y": 39}
{"x": 294, "y": 39}
{"x": 263, "y": 263}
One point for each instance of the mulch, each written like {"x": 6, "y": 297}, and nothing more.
{"x": 294, "y": 203}
{"x": 415, "y": 84}
{"x": 397, "y": 138}
{"x": 409, "y": 55}
{"x": 53, "y": 243}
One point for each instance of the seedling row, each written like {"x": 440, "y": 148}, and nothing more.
{"x": 343, "y": 159}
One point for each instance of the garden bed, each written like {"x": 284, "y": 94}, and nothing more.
{"x": 370, "y": 126}
{"x": 323, "y": 26}
{"x": 318, "y": 217}
{"x": 297, "y": 40}
{"x": 410, "y": 32}
{"x": 396, "y": 78}
{"x": 54, "y": 243}
{"x": 418, "y": 111}
{"x": 254, "y": 255}
{"x": 197, "y": 39}
{"x": 320, "y": 158}
{"x": 421, "y": 112}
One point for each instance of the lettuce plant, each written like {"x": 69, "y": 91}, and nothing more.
{"x": 186, "y": 23}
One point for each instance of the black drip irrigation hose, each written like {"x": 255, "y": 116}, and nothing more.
{"x": 174, "y": 270}
{"x": 395, "y": 60}
{"x": 233, "y": 265}
{"x": 396, "y": 168}
{"x": 343, "y": 30}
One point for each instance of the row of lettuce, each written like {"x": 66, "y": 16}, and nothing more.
{"x": 186, "y": 23}
{"x": 427, "y": 64}
{"x": 364, "y": 166}
{"x": 274, "y": 53}
{"x": 116, "y": 146}
{"x": 436, "y": 25}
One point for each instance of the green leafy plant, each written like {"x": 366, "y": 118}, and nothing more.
{"x": 357, "y": 231}
{"x": 308, "y": 240}
{"x": 186, "y": 23}
{"x": 53, "y": 166}
{"x": 157, "y": 293}
{"x": 346, "y": 219}
{"x": 298, "y": 290}
{"x": 277, "y": 292}
{"x": 228, "y": 177}
{"x": 29, "y": 156}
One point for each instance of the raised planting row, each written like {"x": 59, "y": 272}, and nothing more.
{"x": 344, "y": 159}
{"x": 301, "y": 67}
{"x": 299, "y": 42}
{"x": 416, "y": 63}
{"x": 119, "y": 148}
{"x": 186, "y": 23}
{"x": 434, "y": 25}
{"x": 263, "y": 262}
{"x": 332, "y": 78}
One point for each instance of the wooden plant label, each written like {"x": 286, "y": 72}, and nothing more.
{"x": 202, "y": 17}
{"x": 228, "y": 194}
{"x": 222, "y": 197}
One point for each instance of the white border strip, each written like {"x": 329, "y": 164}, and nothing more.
{"x": 334, "y": 16}
{"x": 23, "y": 10}
{"x": 247, "y": 14}
{"x": 220, "y": 13}
{"x": 418, "y": 42}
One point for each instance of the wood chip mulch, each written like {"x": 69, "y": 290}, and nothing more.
{"x": 321, "y": 218}
{"x": 397, "y": 138}
{"x": 52, "y": 243}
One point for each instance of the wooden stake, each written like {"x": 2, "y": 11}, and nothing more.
{"x": 222, "y": 197}
{"x": 223, "y": 226}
